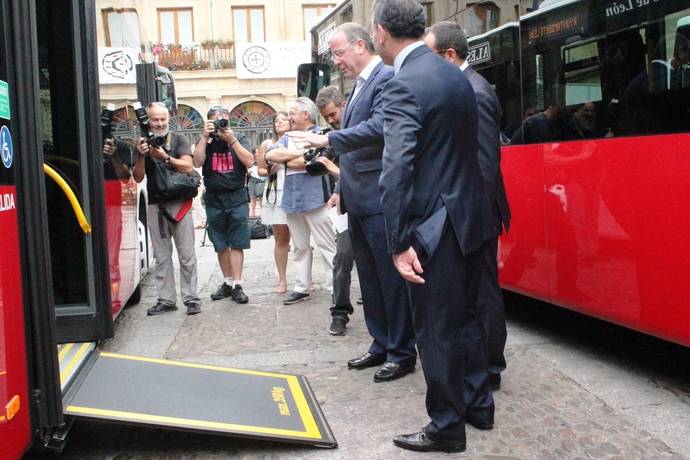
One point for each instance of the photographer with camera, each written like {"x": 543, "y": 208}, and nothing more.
{"x": 167, "y": 218}
{"x": 304, "y": 202}
{"x": 225, "y": 157}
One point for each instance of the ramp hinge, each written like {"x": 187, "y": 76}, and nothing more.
{"x": 56, "y": 442}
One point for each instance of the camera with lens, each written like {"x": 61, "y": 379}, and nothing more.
{"x": 107, "y": 122}
{"x": 145, "y": 126}
{"x": 314, "y": 167}
{"x": 219, "y": 123}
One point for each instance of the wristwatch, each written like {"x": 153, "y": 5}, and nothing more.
{"x": 167, "y": 159}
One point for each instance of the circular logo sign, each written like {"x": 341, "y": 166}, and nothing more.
{"x": 256, "y": 59}
{"x": 117, "y": 64}
{"x": 6, "y": 147}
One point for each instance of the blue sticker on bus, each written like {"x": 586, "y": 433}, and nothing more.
{"x": 6, "y": 149}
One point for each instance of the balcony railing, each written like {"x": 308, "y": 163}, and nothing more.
{"x": 207, "y": 55}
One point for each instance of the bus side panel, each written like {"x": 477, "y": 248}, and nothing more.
{"x": 15, "y": 427}
{"x": 617, "y": 229}
{"x": 123, "y": 240}
{"x": 523, "y": 263}
{"x": 590, "y": 210}
{"x": 663, "y": 247}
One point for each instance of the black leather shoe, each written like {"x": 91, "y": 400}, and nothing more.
{"x": 366, "y": 360}
{"x": 481, "y": 420}
{"x": 420, "y": 442}
{"x": 393, "y": 371}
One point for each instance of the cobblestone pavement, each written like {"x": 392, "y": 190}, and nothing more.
{"x": 544, "y": 410}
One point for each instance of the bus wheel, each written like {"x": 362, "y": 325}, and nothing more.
{"x": 135, "y": 297}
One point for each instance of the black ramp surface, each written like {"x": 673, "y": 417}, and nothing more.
{"x": 201, "y": 398}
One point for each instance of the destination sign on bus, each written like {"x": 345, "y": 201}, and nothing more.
{"x": 556, "y": 28}
{"x": 479, "y": 53}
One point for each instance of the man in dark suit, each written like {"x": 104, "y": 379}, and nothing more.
{"x": 360, "y": 146}
{"x": 448, "y": 40}
{"x": 436, "y": 219}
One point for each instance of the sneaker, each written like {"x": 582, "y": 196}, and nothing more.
{"x": 160, "y": 308}
{"x": 193, "y": 308}
{"x": 223, "y": 291}
{"x": 295, "y": 297}
{"x": 338, "y": 326}
{"x": 238, "y": 294}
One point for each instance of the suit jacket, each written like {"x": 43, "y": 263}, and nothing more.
{"x": 430, "y": 159}
{"x": 360, "y": 146}
{"x": 488, "y": 137}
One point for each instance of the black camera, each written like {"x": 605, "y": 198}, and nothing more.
{"x": 107, "y": 122}
{"x": 314, "y": 167}
{"x": 220, "y": 123}
{"x": 145, "y": 126}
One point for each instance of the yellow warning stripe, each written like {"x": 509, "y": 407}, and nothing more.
{"x": 311, "y": 429}
{"x": 303, "y": 408}
{"x": 184, "y": 422}
{"x": 196, "y": 366}
{"x": 66, "y": 373}
{"x": 64, "y": 349}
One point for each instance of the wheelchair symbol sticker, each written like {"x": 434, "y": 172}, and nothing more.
{"x": 6, "y": 147}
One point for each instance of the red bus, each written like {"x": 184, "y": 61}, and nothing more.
{"x": 596, "y": 101}
{"x": 60, "y": 281}
{"x": 73, "y": 248}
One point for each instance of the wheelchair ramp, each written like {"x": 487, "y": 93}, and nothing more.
{"x": 195, "y": 397}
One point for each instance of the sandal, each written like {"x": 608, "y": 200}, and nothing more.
{"x": 281, "y": 289}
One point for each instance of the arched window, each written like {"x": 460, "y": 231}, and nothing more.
{"x": 125, "y": 125}
{"x": 253, "y": 119}
{"x": 188, "y": 121}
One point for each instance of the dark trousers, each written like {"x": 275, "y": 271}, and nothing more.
{"x": 491, "y": 309}
{"x": 450, "y": 337}
{"x": 384, "y": 295}
{"x": 342, "y": 275}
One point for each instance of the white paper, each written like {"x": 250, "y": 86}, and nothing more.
{"x": 339, "y": 220}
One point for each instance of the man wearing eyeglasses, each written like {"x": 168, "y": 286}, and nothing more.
{"x": 449, "y": 41}
{"x": 224, "y": 156}
{"x": 360, "y": 146}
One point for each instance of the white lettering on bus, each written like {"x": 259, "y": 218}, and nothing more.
{"x": 6, "y": 202}
{"x": 619, "y": 8}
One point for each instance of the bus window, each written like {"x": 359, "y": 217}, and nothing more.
{"x": 581, "y": 72}
{"x": 590, "y": 78}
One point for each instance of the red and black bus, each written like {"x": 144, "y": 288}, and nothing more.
{"x": 596, "y": 101}
{"x": 73, "y": 248}
{"x": 73, "y": 243}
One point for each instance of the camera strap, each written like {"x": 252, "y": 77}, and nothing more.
{"x": 168, "y": 142}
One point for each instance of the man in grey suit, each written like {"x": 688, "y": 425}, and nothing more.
{"x": 360, "y": 146}
{"x": 448, "y": 40}
{"x": 436, "y": 219}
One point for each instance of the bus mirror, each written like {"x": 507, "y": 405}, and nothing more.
{"x": 155, "y": 84}
{"x": 311, "y": 78}
{"x": 165, "y": 88}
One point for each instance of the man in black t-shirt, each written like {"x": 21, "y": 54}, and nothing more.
{"x": 168, "y": 219}
{"x": 225, "y": 156}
